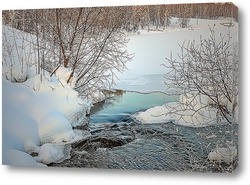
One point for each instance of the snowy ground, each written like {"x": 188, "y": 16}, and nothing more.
{"x": 39, "y": 116}
{"x": 35, "y": 114}
{"x": 145, "y": 72}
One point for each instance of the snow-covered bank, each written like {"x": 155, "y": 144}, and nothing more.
{"x": 191, "y": 110}
{"x": 35, "y": 114}
{"x": 37, "y": 109}
{"x": 178, "y": 114}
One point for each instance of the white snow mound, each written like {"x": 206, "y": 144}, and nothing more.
{"x": 18, "y": 158}
{"x": 190, "y": 111}
{"x": 226, "y": 155}
{"x": 51, "y": 153}
{"x": 55, "y": 128}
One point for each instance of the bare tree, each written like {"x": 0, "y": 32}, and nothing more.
{"x": 90, "y": 42}
{"x": 17, "y": 51}
{"x": 208, "y": 69}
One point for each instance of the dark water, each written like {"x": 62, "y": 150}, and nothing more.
{"x": 120, "y": 143}
{"x": 119, "y": 108}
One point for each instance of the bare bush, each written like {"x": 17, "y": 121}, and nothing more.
{"x": 89, "y": 41}
{"x": 207, "y": 75}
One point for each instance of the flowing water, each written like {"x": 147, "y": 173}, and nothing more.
{"x": 119, "y": 108}
{"x": 115, "y": 141}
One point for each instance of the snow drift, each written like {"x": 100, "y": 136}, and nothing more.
{"x": 36, "y": 116}
{"x": 36, "y": 109}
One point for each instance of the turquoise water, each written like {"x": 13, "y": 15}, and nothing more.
{"x": 119, "y": 108}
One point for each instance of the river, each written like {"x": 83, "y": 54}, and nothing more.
{"x": 114, "y": 141}
{"x": 119, "y": 108}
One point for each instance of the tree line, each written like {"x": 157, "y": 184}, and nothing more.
{"x": 90, "y": 41}
{"x": 139, "y": 15}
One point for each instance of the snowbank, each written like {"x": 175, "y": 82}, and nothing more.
{"x": 226, "y": 155}
{"x": 37, "y": 112}
{"x": 178, "y": 114}
{"x": 55, "y": 128}
{"x": 51, "y": 153}
{"x": 17, "y": 158}
{"x": 191, "y": 110}
{"x": 37, "y": 109}
{"x": 194, "y": 110}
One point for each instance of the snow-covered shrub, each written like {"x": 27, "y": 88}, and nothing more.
{"x": 211, "y": 68}
{"x": 18, "y": 53}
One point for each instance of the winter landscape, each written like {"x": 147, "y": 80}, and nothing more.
{"x": 135, "y": 87}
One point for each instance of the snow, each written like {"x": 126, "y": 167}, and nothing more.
{"x": 178, "y": 114}
{"x": 38, "y": 112}
{"x": 34, "y": 111}
{"x": 63, "y": 75}
{"x": 146, "y": 72}
{"x": 31, "y": 118}
{"x": 96, "y": 97}
{"x": 18, "y": 158}
{"x": 226, "y": 155}
{"x": 15, "y": 74}
{"x": 194, "y": 100}
{"x": 38, "y": 116}
{"x": 37, "y": 82}
{"x": 55, "y": 128}
{"x": 191, "y": 110}
{"x": 51, "y": 153}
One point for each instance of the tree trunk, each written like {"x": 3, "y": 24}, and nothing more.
{"x": 65, "y": 62}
